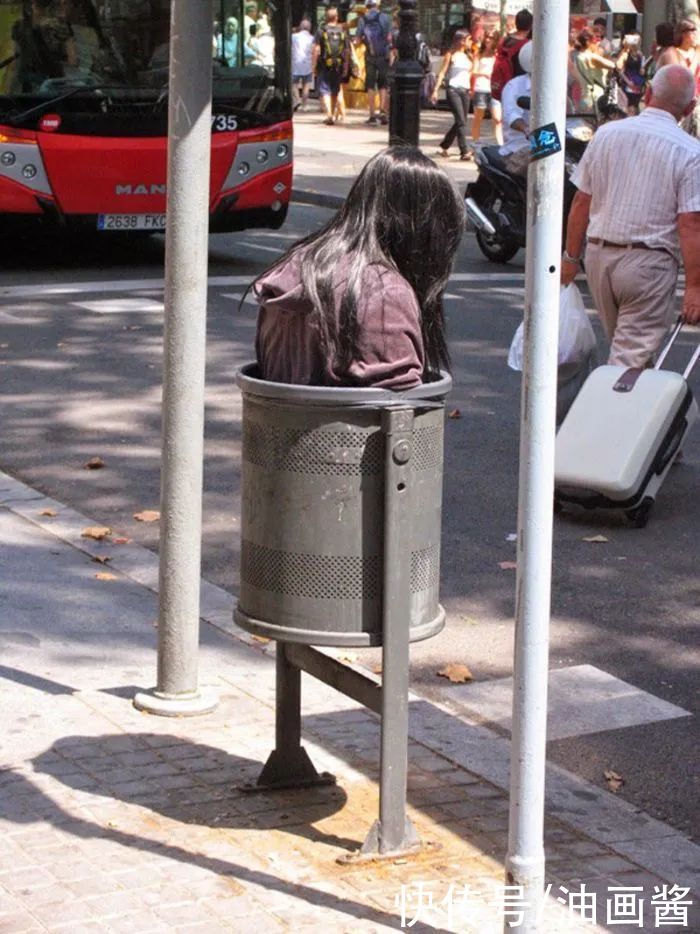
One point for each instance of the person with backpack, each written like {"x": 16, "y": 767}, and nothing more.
{"x": 506, "y": 65}
{"x": 423, "y": 58}
{"x": 331, "y": 63}
{"x": 374, "y": 31}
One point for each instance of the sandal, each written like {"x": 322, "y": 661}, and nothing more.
{"x": 443, "y": 153}
{"x": 329, "y": 121}
{"x": 466, "y": 157}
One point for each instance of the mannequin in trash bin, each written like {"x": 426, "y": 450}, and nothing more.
{"x": 360, "y": 303}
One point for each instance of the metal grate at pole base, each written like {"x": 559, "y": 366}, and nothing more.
{"x": 340, "y": 525}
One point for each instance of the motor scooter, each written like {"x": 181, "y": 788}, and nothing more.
{"x": 496, "y": 202}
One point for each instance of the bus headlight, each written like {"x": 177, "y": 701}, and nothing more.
{"x": 8, "y": 158}
{"x": 262, "y": 156}
{"x": 282, "y": 150}
{"x": 29, "y": 171}
{"x": 243, "y": 168}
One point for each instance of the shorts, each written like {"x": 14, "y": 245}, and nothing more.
{"x": 377, "y": 71}
{"x": 481, "y": 99}
{"x": 329, "y": 83}
{"x": 305, "y": 79}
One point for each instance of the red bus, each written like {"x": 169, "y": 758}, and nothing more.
{"x": 84, "y": 112}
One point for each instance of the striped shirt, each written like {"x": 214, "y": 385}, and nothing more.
{"x": 641, "y": 173}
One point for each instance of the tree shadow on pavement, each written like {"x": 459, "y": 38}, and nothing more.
{"x": 27, "y": 804}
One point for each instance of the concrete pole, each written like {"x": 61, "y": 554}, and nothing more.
{"x": 186, "y": 256}
{"x": 525, "y": 858}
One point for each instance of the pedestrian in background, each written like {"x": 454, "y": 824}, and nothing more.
{"x": 302, "y": 63}
{"x": 374, "y": 32}
{"x": 592, "y": 68}
{"x": 515, "y": 150}
{"x": 686, "y": 52}
{"x": 600, "y": 31}
{"x": 330, "y": 63}
{"x": 638, "y": 202}
{"x": 456, "y": 73}
{"x": 663, "y": 41}
{"x": 630, "y": 64}
{"x": 481, "y": 88}
{"x": 360, "y": 302}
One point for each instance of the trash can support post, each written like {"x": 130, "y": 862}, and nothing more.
{"x": 288, "y": 765}
{"x": 394, "y": 832}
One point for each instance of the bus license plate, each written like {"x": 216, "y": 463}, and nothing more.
{"x": 131, "y": 221}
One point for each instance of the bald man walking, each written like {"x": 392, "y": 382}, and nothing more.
{"x": 638, "y": 205}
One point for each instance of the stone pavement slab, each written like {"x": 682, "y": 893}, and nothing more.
{"x": 113, "y": 820}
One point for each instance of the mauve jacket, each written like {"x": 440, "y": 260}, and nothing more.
{"x": 391, "y": 346}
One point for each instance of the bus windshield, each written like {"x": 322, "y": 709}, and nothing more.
{"x": 78, "y": 56}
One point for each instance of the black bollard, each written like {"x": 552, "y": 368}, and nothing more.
{"x": 405, "y": 80}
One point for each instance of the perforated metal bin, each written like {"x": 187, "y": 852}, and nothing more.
{"x": 312, "y": 512}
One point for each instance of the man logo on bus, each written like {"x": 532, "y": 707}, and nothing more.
{"x": 140, "y": 189}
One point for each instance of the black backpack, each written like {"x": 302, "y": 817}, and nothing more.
{"x": 333, "y": 48}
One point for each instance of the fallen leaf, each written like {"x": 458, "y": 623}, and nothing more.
{"x": 101, "y": 559}
{"x": 467, "y": 620}
{"x": 349, "y": 658}
{"x": 456, "y": 673}
{"x": 48, "y": 512}
{"x": 594, "y": 538}
{"x": 148, "y": 515}
{"x": 105, "y": 576}
{"x": 615, "y": 781}
{"x": 508, "y": 565}
{"x": 455, "y": 413}
{"x": 98, "y": 532}
{"x": 121, "y": 540}
{"x": 262, "y": 639}
{"x": 95, "y": 463}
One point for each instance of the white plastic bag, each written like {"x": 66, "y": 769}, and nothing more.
{"x": 576, "y": 337}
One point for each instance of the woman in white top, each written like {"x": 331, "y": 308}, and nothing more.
{"x": 456, "y": 72}
{"x": 481, "y": 86}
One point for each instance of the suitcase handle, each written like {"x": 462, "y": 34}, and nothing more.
{"x": 670, "y": 342}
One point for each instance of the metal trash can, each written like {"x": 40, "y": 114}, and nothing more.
{"x": 312, "y": 512}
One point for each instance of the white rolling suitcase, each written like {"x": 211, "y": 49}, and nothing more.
{"x": 621, "y": 435}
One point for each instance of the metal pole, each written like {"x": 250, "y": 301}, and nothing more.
{"x": 186, "y": 255}
{"x": 394, "y": 832}
{"x": 288, "y": 765}
{"x": 404, "y": 106}
{"x": 525, "y": 858}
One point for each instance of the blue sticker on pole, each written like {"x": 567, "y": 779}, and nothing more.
{"x": 544, "y": 142}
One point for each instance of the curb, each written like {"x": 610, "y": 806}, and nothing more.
{"x": 318, "y": 198}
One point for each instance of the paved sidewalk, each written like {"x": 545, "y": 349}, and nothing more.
{"x": 113, "y": 820}
{"x": 328, "y": 158}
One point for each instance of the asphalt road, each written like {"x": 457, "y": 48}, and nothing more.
{"x": 80, "y": 355}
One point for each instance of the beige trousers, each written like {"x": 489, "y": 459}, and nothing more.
{"x": 635, "y": 294}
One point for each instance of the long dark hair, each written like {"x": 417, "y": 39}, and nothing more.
{"x": 403, "y": 213}
{"x": 458, "y": 38}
